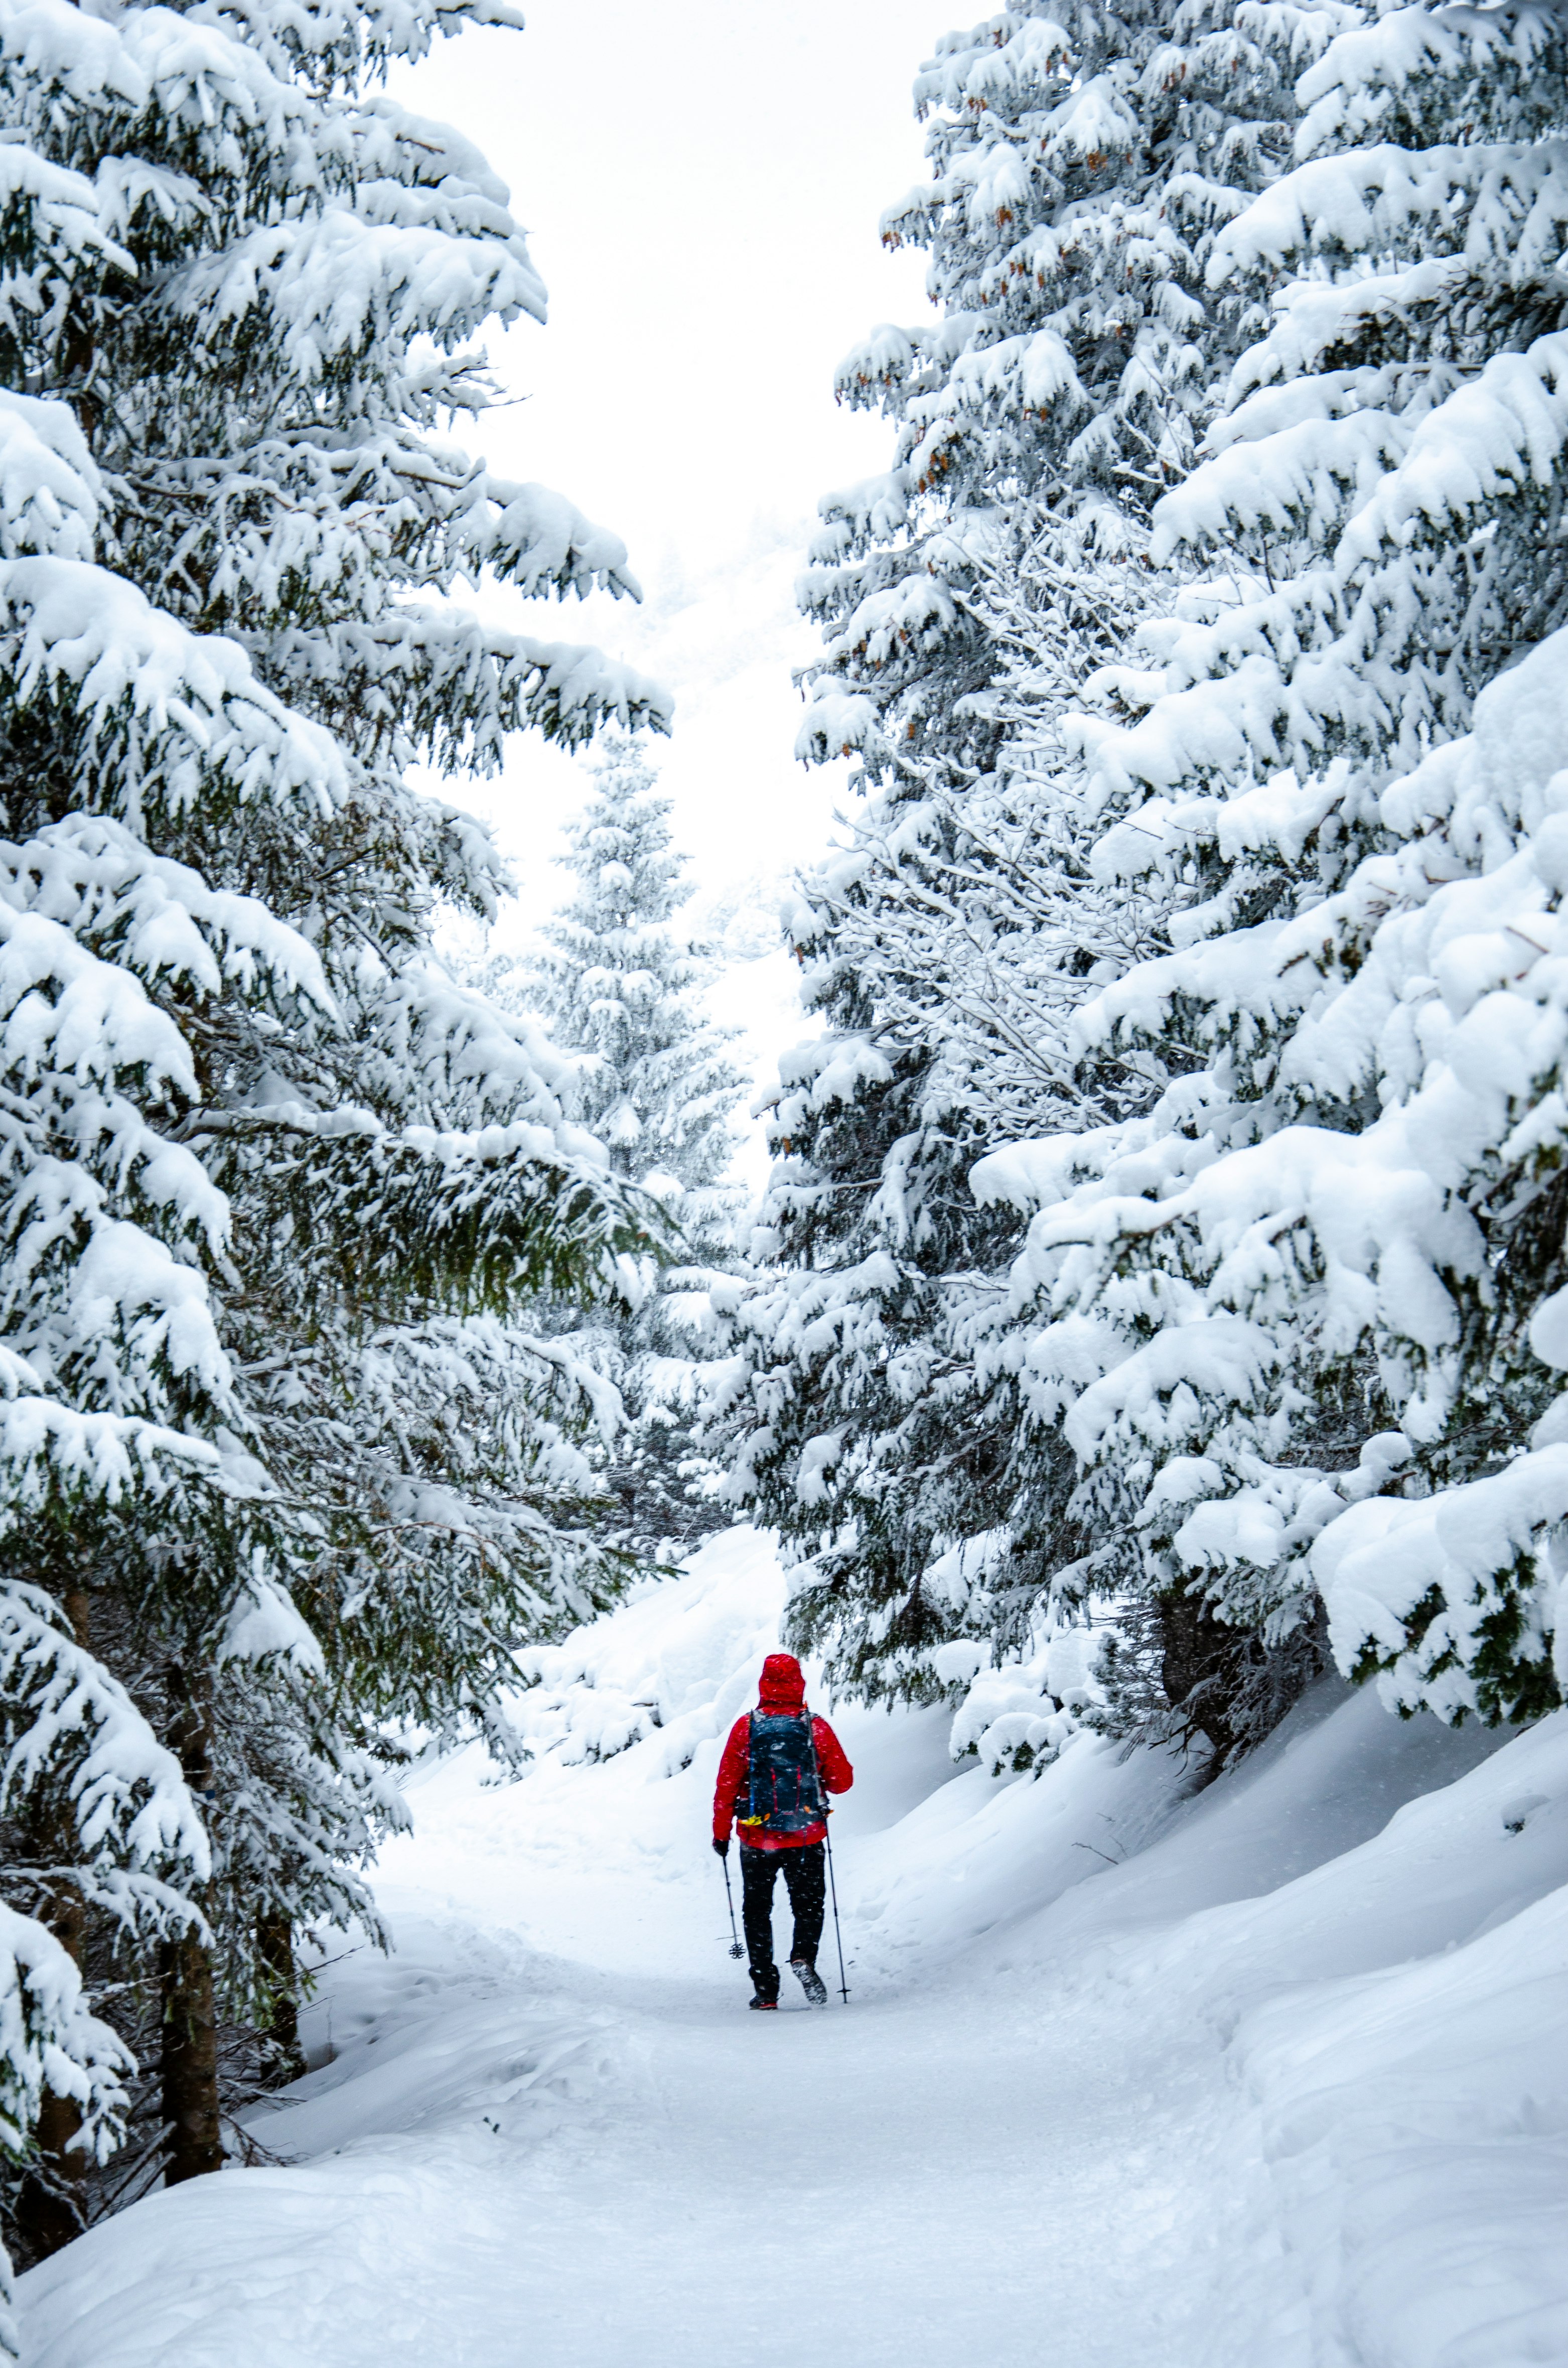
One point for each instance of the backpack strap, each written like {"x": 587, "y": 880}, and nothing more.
{"x": 752, "y": 1815}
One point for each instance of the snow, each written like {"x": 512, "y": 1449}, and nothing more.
{"x": 129, "y": 1799}
{"x": 1273, "y": 2071}
{"x": 264, "y": 1624}
{"x": 1459, "y": 1550}
{"x": 49, "y": 483}
{"x": 80, "y": 625}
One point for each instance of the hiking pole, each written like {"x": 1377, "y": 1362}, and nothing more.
{"x": 833, "y": 1888}
{"x": 735, "y": 1948}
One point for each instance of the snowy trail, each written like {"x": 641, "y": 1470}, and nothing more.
{"x": 906, "y": 2181}
{"x": 1285, "y": 2088}
{"x": 917, "y": 2178}
{"x": 969, "y": 2185}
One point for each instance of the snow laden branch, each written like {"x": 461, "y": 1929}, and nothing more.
{"x": 80, "y": 1770}
{"x": 1445, "y": 1599}
{"x": 153, "y": 716}
{"x": 65, "y": 1724}
{"x": 410, "y": 1218}
{"x": 440, "y": 685}
{"x": 55, "y": 1458}
{"x": 51, "y": 2042}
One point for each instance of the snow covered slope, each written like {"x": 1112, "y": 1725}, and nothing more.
{"x": 1272, "y": 2074}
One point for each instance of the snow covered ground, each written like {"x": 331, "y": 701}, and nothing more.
{"x": 1273, "y": 2076}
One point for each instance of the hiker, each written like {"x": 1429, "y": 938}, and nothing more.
{"x": 778, "y": 1764}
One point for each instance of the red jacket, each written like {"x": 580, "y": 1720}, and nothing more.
{"x": 783, "y": 1688}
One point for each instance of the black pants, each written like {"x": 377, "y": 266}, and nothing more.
{"x": 805, "y": 1879}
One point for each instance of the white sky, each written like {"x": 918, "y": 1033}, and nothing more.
{"x": 702, "y": 181}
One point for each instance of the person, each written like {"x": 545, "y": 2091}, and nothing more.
{"x": 778, "y": 1767}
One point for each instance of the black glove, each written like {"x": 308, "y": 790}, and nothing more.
{"x": 721, "y": 1848}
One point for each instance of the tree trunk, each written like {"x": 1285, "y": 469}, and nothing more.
{"x": 50, "y": 2207}
{"x": 189, "y": 2064}
{"x": 1198, "y": 1669}
{"x": 274, "y": 1946}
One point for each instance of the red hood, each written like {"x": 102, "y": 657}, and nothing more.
{"x": 783, "y": 1686}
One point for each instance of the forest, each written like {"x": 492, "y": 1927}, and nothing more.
{"x": 1132, "y": 1373}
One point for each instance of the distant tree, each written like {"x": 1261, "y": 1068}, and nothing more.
{"x": 616, "y": 983}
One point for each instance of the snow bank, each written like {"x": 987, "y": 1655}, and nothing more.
{"x": 677, "y": 1662}
{"x": 1396, "y": 2013}
{"x": 1412, "y": 2070}
{"x": 1415, "y": 2120}
{"x": 442, "y": 2079}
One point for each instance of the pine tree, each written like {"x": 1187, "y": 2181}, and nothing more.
{"x": 1297, "y": 1322}
{"x": 615, "y": 981}
{"x": 1083, "y": 165}
{"x": 273, "y": 1439}
{"x": 617, "y": 985}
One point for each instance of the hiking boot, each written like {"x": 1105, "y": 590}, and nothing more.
{"x": 764, "y": 2006}
{"x": 811, "y": 1981}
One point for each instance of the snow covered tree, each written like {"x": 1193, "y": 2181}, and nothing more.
{"x": 1085, "y": 160}
{"x": 1298, "y": 1321}
{"x": 616, "y": 983}
{"x": 613, "y": 979}
{"x": 1084, "y": 163}
{"x": 274, "y": 1446}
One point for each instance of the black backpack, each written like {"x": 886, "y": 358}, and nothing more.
{"x": 784, "y": 1785}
